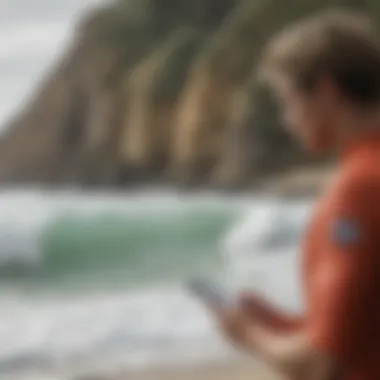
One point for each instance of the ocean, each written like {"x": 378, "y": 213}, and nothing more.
{"x": 98, "y": 280}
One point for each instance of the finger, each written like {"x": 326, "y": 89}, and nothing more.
{"x": 249, "y": 300}
{"x": 251, "y": 304}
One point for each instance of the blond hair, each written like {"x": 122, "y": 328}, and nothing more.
{"x": 339, "y": 44}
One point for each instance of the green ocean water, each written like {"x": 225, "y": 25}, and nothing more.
{"x": 136, "y": 248}
{"x": 101, "y": 241}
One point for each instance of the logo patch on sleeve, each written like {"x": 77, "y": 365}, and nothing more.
{"x": 345, "y": 232}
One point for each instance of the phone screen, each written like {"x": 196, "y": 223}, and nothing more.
{"x": 212, "y": 293}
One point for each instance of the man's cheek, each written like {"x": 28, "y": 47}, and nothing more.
{"x": 322, "y": 141}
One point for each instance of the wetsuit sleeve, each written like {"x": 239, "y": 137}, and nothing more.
{"x": 343, "y": 299}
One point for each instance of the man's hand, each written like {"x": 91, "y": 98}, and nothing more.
{"x": 239, "y": 322}
{"x": 261, "y": 310}
{"x": 289, "y": 353}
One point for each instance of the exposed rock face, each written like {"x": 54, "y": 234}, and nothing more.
{"x": 157, "y": 90}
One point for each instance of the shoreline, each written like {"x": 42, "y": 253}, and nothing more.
{"x": 231, "y": 369}
{"x": 300, "y": 181}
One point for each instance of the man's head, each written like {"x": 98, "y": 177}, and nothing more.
{"x": 324, "y": 69}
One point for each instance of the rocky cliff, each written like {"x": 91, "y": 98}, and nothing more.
{"x": 158, "y": 91}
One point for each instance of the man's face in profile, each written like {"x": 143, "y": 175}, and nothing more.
{"x": 311, "y": 116}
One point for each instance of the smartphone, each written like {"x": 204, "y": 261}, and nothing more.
{"x": 211, "y": 293}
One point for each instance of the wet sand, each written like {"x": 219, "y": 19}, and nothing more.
{"x": 244, "y": 370}
{"x": 228, "y": 370}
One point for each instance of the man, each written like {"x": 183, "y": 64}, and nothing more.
{"x": 326, "y": 72}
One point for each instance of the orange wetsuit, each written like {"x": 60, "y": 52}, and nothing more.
{"x": 342, "y": 265}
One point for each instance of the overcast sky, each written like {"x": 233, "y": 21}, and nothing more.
{"x": 32, "y": 35}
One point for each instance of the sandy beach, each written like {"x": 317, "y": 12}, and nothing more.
{"x": 230, "y": 369}
{"x": 239, "y": 370}
{"x": 222, "y": 371}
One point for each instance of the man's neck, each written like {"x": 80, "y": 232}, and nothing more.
{"x": 358, "y": 125}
